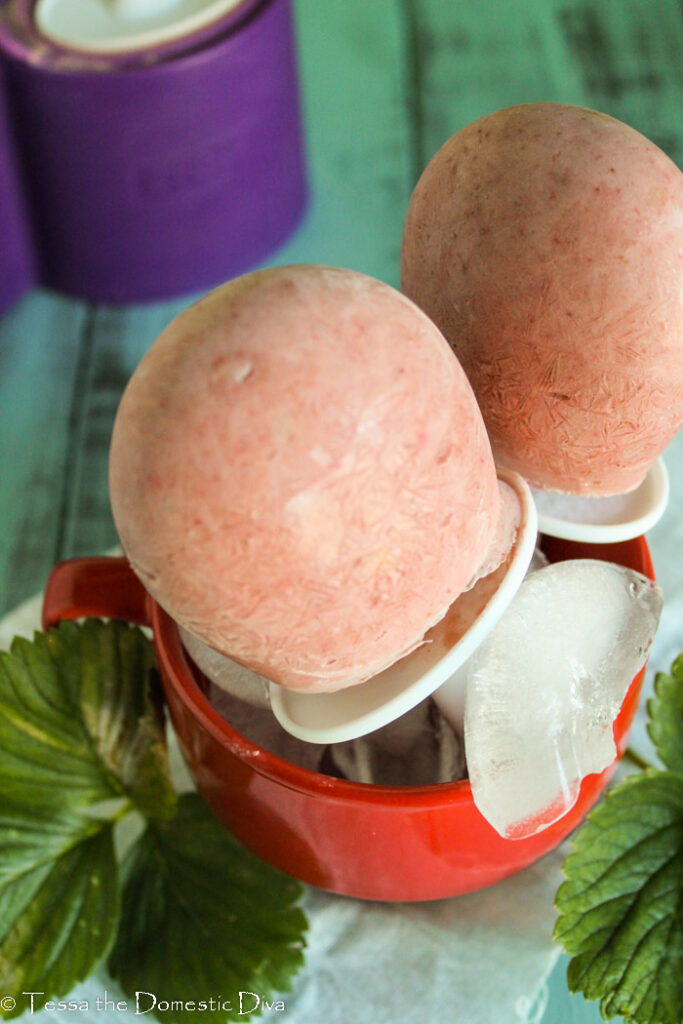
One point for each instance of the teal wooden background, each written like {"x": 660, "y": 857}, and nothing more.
{"x": 384, "y": 82}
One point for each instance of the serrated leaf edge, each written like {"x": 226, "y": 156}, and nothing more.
{"x": 609, "y": 1002}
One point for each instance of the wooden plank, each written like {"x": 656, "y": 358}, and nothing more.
{"x": 624, "y": 58}
{"x": 620, "y": 57}
{"x": 113, "y": 342}
{"x": 40, "y": 372}
{"x": 630, "y": 57}
{"x": 473, "y": 59}
{"x": 359, "y": 135}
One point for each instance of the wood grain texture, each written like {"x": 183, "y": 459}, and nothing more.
{"x": 618, "y": 56}
{"x": 384, "y": 85}
{"x": 40, "y": 347}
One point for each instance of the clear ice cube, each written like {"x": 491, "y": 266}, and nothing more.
{"x": 225, "y": 673}
{"x": 418, "y": 749}
{"x": 546, "y": 685}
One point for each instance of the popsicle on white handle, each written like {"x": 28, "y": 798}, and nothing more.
{"x": 301, "y": 477}
{"x": 545, "y": 241}
{"x": 432, "y": 668}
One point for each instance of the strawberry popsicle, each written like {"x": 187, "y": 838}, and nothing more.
{"x": 546, "y": 241}
{"x": 301, "y": 477}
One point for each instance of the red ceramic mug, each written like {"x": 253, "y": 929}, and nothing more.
{"x": 373, "y": 842}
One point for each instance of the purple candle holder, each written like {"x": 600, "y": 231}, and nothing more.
{"x": 16, "y": 269}
{"x": 156, "y": 173}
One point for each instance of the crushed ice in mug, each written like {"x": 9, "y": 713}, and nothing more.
{"x": 542, "y": 693}
{"x": 418, "y": 749}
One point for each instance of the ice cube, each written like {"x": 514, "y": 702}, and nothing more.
{"x": 227, "y": 674}
{"x": 546, "y": 685}
{"x": 450, "y": 697}
{"x": 418, "y": 749}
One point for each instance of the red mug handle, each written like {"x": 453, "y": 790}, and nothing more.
{"x": 95, "y": 587}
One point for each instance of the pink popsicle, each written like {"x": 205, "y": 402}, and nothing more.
{"x": 546, "y": 241}
{"x": 301, "y": 476}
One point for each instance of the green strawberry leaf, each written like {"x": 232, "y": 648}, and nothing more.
{"x": 666, "y": 716}
{"x": 621, "y": 906}
{"x": 202, "y": 915}
{"x": 59, "y": 900}
{"x": 78, "y": 722}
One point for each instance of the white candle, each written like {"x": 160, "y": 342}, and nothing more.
{"x": 139, "y": 9}
{"x": 122, "y": 26}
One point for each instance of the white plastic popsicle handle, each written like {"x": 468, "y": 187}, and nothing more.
{"x": 123, "y": 26}
{"x": 605, "y": 520}
{"x": 357, "y": 710}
